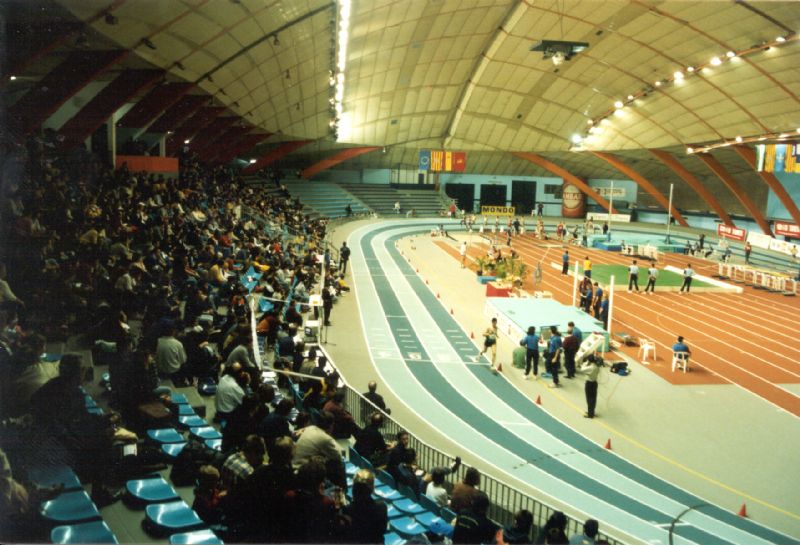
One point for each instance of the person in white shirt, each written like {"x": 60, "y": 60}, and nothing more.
{"x": 652, "y": 275}
{"x": 688, "y": 273}
{"x": 230, "y": 390}
{"x": 633, "y": 276}
{"x": 463, "y": 252}
{"x": 397, "y": 207}
{"x": 436, "y": 490}
{"x": 170, "y": 356}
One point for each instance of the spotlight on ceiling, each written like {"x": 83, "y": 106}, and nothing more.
{"x": 558, "y": 51}
{"x": 780, "y": 39}
{"x": 576, "y": 139}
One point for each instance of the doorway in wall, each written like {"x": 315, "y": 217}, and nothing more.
{"x": 493, "y": 195}
{"x": 523, "y": 196}
{"x": 463, "y": 194}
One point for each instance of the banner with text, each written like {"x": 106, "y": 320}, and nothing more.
{"x": 786, "y": 229}
{"x": 759, "y": 240}
{"x": 733, "y": 233}
{"x": 497, "y": 210}
{"x": 442, "y": 161}
{"x": 606, "y": 192}
{"x": 596, "y": 216}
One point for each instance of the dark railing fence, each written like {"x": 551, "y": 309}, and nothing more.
{"x": 506, "y": 500}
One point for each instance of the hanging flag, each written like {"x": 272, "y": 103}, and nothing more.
{"x": 437, "y": 157}
{"x": 424, "y": 159}
{"x": 448, "y": 161}
{"x": 459, "y": 161}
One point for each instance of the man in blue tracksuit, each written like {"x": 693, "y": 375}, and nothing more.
{"x": 598, "y": 299}
{"x": 531, "y": 344}
{"x": 553, "y": 356}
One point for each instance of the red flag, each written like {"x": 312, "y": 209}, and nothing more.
{"x": 459, "y": 161}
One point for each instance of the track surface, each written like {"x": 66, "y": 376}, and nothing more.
{"x": 428, "y": 362}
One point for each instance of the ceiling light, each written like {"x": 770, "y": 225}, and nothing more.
{"x": 591, "y": 122}
{"x": 784, "y": 135}
{"x": 762, "y": 138}
{"x": 738, "y": 139}
{"x": 618, "y": 104}
{"x": 12, "y": 78}
{"x": 689, "y": 150}
{"x": 730, "y": 54}
{"x": 558, "y": 58}
{"x": 690, "y": 69}
{"x": 780, "y": 39}
{"x": 186, "y": 141}
{"x": 658, "y": 83}
{"x": 715, "y": 61}
{"x": 630, "y": 97}
{"x": 252, "y": 161}
{"x": 678, "y": 76}
{"x": 618, "y": 112}
{"x": 798, "y": 130}
{"x": 576, "y": 138}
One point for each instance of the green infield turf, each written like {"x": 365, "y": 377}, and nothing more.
{"x": 666, "y": 279}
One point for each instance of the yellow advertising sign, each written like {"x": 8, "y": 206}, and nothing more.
{"x": 497, "y": 210}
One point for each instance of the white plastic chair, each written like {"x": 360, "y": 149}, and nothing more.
{"x": 647, "y": 347}
{"x": 680, "y": 360}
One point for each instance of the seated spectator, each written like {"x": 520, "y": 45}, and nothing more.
{"x": 208, "y": 495}
{"x": 436, "y": 490}
{"x": 553, "y": 532}
{"x": 311, "y": 517}
{"x": 472, "y": 525}
{"x": 241, "y": 464}
{"x": 258, "y": 504}
{"x": 343, "y": 423}
{"x": 28, "y": 372}
{"x": 681, "y": 346}
{"x": 230, "y": 391}
{"x": 376, "y": 398}
{"x": 202, "y": 359}
{"x": 520, "y": 532}
{"x": 317, "y": 441}
{"x": 370, "y": 443}
{"x": 171, "y": 357}
{"x": 589, "y": 535}
{"x": 244, "y": 420}
{"x": 368, "y": 517}
{"x": 465, "y": 491}
{"x": 276, "y": 424}
{"x": 397, "y": 453}
{"x": 409, "y": 474}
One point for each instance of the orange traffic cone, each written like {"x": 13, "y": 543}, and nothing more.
{"x": 743, "y": 511}
{"x": 538, "y": 400}
{"x": 500, "y": 367}
{"x": 417, "y": 269}
{"x": 608, "y": 445}
{"x": 437, "y": 295}
{"x": 426, "y": 282}
{"x": 451, "y": 311}
{"x": 471, "y": 335}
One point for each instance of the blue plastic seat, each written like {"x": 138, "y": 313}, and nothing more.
{"x": 186, "y": 410}
{"x": 429, "y": 504}
{"x": 386, "y": 478}
{"x": 393, "y": 512}
{"x": 70, "y": 507}
{"x": 205, "y": 432}
{"x": 165, "y": 435}
{"x": 192, "y": 421}
{"x": 350, "y": 468}
{"x": 388, "y": 494}
{"x": 391, "y": 538}
{"x": 153, "y": 490}
{"x": 428, "y": 519}
{"x": 87, "y": 532}
{"x": 409, "y": 506}
{"x": 89, "y": 402}
{"x": 200, "y": 537}
{"x": 172, "y": 449}
{"x": 216, "y": 444}
{"x": 406, "y": 526}
{"x": 447, "y": 514}
{"x": 96, "y": 410}
{"x": 170, "y": 518}
{"x": 46, "y": 477}
{"x": 179, "y": 399}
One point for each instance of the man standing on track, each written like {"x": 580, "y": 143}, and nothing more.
{"x": 633, "y": 276}
{"x": 344, "y": 257}
{"x": 571, "y": 345}
{"x": 688, "y": 273}
{"x": 604, "y": 311}
{"x": 747, "y": 249}
{"x": 565, "y": 262}
{"x": 490, "y": 343}
{"x": 598, "y": 299}
{"x": 463, "y": 252}
{"x": 652, "y": 275}
{"x": 531, "y": 344}
{"x": 553, "y": 356}
{"x": 592, "y": 368}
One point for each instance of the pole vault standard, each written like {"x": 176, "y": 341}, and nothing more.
{"x": 575, "y": 283}
{"x": 610, "y": 304}
{"x": 610, "y": 209}
{"x": 669, "y": 214}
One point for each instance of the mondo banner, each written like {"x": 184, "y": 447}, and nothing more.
{"x": 497, "y": 210}
{"x": 573, "y": 203}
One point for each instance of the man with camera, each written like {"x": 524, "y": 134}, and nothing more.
{"x": 591, "y": 367}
